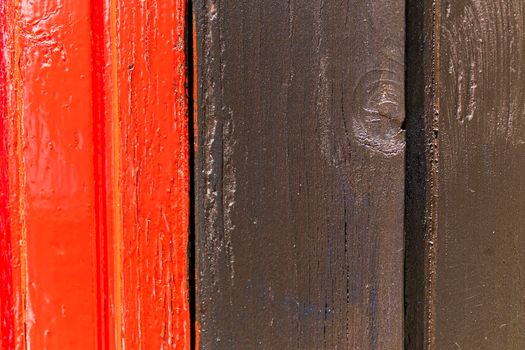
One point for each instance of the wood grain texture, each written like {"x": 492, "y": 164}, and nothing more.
{"x": 300, "y": 174}
{"x": 153, "y": 173}
{"x": 94, "y": 177}
{"x": 476, "y": 100}
{"x": 421, "y": 169}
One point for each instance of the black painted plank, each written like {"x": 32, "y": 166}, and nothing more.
{"x": 473, "y": 285}
{"x": 421, "y": 169}
{"x": 480, "y": 303}
{"x": 299, "y": 174}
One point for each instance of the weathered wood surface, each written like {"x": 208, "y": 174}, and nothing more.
{"x": 94, "y": 177}
{"x": 421, "y": 166}
{"x": 474, "y": 291}
{"x": 299, "y": 174}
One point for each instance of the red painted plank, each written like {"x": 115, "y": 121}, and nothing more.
{"x": 100, "y": 88}
{"x": 57, "y": 182}
{"x": 153, "y": 178}
{"x": 94, "y": 186}
{"x": 6, "y": 270}
{"x": 12, "y": 291}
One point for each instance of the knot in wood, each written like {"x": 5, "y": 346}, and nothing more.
{"x": 378, "y": 98}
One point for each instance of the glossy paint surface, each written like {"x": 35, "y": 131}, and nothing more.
{"x": 93, "y": 175}
{"x": 6, "y": 269}
{"x": 153, "y": 176}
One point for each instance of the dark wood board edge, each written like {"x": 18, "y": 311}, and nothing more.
{"x": 422, "y": 112}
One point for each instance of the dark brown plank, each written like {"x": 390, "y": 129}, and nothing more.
{"x": 421, "y": 167}
{"x": 300, "y": 174}
{"x": 476, "y": 298}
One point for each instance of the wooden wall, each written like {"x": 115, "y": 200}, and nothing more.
{"x": 298, "y": 174}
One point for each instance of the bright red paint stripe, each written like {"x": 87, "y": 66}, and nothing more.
{"x": 7, "y": 340}
{"x": 154, "y": 173}
{"x": 100, "y": 173}
{"x": 102, "y": 123}
{"x": 57, "y": 175}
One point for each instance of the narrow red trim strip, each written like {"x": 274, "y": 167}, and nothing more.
{"x": 7, "y": 339}
{"x": 100, "y": 173}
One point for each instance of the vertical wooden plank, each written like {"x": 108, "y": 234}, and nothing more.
{"x": 421, "y": 166}
{"x": 8, "y": 272}
{"x": 153, "y": 177}
{"x": 56, "y": 184}
{"x": 300, "y": 174}
{"x": 94, "y": 187}
{"x": 477, "y": 103}
{"x": 481, "y": 242}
